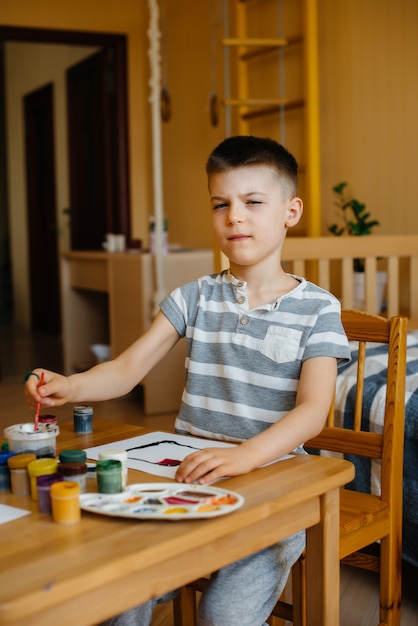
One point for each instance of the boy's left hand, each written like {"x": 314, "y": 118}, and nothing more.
{"x": 210, "y": 464}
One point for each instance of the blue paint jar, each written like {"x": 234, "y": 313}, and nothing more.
{"x": 4, "y": 469}
{"x": 83, "y": 419}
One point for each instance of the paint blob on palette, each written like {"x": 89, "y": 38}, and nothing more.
{"x": 169, "y": 501}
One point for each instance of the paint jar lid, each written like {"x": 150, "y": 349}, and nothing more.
{"x": 65, "y": 489}
{"x": 108, "y": 466}
{"x": 21, "y": 461}
{"x": 71, "y": 456}
{"x": 72, "y": 469}
{"x": 48, "y": 419}
{"x": 5, "y": 456}
{"x": 42, "y": 466}
{"x": 46, "y": 480}
{"x": 83, "y": 409}
{"x": 119, "y": 455}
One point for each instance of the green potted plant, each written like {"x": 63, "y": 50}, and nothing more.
{"x": 356, "y": 221}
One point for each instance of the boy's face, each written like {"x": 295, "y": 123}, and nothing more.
{"x": 251, "y": 211}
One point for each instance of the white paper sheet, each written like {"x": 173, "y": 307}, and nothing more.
{"x": 158, "y": 453}
{"x": 9, "y": 513}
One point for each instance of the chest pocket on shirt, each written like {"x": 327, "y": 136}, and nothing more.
{"x": 281, "y": 344}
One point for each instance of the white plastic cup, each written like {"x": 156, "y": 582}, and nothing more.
{"x": 110, "y": 243}
{"x": 23, "y": 438}
{"x": 120, "y": 243}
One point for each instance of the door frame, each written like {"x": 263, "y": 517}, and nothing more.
{"x": 117, "y": 44}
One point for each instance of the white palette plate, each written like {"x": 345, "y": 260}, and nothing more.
{"x": 168, "y": 501}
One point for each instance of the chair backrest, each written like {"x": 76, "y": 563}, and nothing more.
{"x": 352, "y": 428}
{"x": 328, "y": 262}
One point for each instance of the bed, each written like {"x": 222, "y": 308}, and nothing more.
{"x": 328, "y": 261}
{"x": 368, "y": 472}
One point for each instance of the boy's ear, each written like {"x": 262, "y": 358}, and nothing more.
{"x": 294, "y": 212}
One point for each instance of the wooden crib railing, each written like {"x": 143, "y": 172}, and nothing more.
{"x": 328, "y": 261}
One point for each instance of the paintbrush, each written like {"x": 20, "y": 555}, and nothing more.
{"x": 38, "y": 405}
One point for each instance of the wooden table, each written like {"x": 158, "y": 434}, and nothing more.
{"x": 52, "y": 574}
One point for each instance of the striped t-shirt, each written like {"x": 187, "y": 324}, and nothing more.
{"x": 243, "y": 366}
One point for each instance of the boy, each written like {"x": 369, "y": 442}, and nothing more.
{"x": 262, "y": 351}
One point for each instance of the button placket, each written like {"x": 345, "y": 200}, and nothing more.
{"x": 241, "y": 297}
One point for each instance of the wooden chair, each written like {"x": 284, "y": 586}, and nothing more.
{"x": 364, "y": 518}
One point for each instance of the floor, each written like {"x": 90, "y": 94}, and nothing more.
{"x": 20, "y": 352}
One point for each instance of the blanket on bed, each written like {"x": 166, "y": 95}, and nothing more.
{"x": 368, "y": 472}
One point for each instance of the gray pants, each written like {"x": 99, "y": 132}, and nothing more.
{"x": 242, "y": 593}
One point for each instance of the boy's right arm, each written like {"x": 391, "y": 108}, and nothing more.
{"x": 107, "y": 380}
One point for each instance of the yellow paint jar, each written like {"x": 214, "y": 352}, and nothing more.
{"x": 40, "y": 467}
{"x": 19, "y": 477}
{"x": 65, "y": 501}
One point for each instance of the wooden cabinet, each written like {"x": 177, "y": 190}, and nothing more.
{"x": 109, "y": 298}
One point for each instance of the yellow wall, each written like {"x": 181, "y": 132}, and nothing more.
{"x": 369, "y": 122}
{"x": 368, "y": 50}
{"x": 368, "y": 93}
{"x": 128, "y": 17}
{"x": 187, "y": 138}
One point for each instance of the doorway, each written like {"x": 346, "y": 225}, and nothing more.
{"x": 92, "y": 137}
{"x": 114, "y": 47}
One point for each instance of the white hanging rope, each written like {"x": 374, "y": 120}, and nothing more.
{"x": 154, "y": 36}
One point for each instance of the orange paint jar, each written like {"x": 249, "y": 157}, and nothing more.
{"x": 65, "y": 501}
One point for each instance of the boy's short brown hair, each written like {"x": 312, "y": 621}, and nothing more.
{"x": 246, "y": 150}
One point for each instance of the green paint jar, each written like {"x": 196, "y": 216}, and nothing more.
{"x": 72, "y": 456}
{"x": 109, "y": 476}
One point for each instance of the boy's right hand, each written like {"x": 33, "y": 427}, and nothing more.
{"x": 54, "y": 391}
